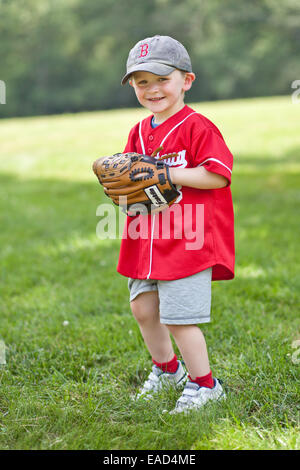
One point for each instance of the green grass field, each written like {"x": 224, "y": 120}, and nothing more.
{"x": 74, "y": 354}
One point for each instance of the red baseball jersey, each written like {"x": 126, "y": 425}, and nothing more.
{"x": 197, "y": 231}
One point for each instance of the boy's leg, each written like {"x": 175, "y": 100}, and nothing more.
{"x": 201, "y": 387}
{"x": 192, "y": 345}
{"x": 145, "y": 309}
{"x": 167, "y": 371}
{"x": 188, "y": 300}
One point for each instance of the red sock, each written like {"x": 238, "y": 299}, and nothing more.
{"x": 170, "y": 366}
{"x": 204, "y": 381}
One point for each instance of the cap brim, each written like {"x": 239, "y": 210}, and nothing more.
{"x": 152, "y": 67}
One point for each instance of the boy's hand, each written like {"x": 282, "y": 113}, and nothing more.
{"x": 133, "y": 179}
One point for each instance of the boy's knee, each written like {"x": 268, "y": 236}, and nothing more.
{"x": 145, "y": 307}
{"x": 138, "y": 312}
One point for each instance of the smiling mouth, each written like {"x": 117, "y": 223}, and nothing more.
{"x": 156, "y": 99}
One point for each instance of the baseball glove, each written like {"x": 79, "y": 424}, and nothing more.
{"x": 133, "y": 179}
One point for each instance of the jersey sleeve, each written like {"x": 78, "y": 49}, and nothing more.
{"x": 131, "y": 141}
{"x": 210, "y": 150}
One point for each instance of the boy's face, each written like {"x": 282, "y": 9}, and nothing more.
{"x": 162, "y": 95}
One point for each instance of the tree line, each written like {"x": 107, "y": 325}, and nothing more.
{"x": 69, "y": 56}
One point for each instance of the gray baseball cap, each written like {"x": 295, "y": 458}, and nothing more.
{"x": 160, "y": 55}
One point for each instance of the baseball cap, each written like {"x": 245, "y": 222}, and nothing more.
{"x": 160, "y": 55}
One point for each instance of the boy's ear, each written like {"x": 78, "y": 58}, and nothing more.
{"x": 188, "y": 80}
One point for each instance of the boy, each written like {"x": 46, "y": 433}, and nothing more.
{"x": 169, "y": 276}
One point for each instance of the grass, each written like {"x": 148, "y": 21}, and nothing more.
{"x": 74, "y": 354}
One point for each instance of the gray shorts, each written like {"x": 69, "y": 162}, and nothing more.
{"x": 183, "y": 301}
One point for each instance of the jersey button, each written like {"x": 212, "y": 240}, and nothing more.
{"x": 150, "y": 137}
{"x": 150, "y": 150}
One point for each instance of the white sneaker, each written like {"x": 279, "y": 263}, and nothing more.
{"x": 158, "y": 379}
{"x": 194, "y": 397}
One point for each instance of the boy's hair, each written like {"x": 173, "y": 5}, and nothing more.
{"x": 181, "y": 71}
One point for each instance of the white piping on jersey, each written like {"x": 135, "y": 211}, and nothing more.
{"x": 143, "y": 149}
{"x": 151, "y": 246}
{"x": 141, "y": 138}
{"x": 175, "y": 127}
{"x": 218, "y": 161}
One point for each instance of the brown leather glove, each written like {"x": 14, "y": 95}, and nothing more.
{"x": 132, "y": 178}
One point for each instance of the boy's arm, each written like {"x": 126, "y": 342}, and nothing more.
{"x": 197, "y": 177}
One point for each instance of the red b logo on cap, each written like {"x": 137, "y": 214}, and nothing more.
{"x": 144, "y": 50}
